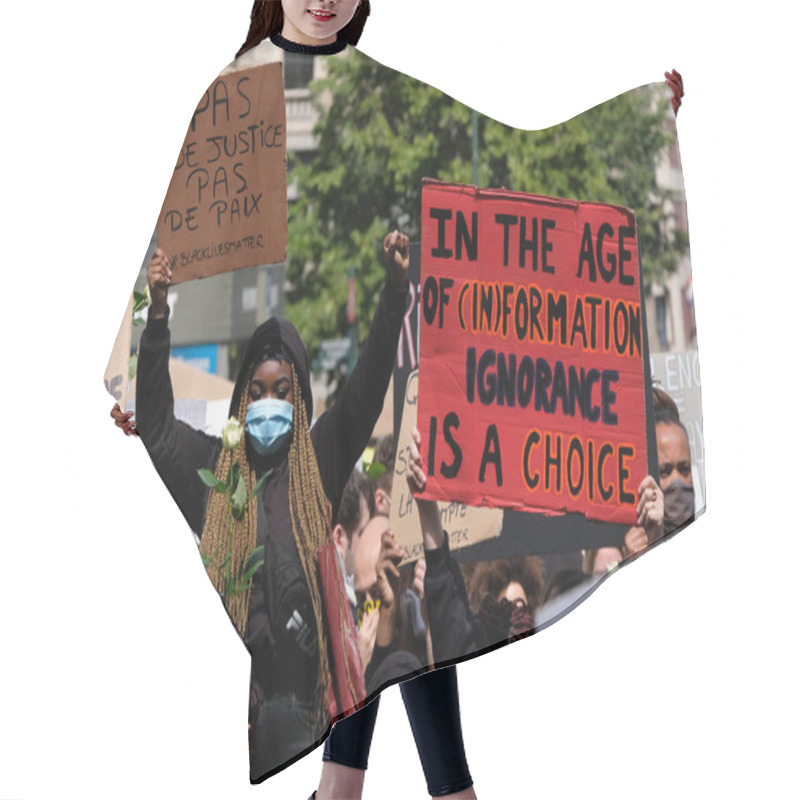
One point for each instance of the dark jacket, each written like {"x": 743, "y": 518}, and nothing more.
{"x": 284, "y": 658}
{"x": 455, "y": 630}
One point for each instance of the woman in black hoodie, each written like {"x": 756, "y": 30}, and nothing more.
{"x": 296, "y": 475}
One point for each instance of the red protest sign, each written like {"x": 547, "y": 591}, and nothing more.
{"x": 531, "y": 353}
{"x": 225, "y": 207}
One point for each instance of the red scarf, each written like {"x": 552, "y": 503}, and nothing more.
{"x": 346, "y": 691}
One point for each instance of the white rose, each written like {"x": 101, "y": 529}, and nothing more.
{"x": 232, "y": 434}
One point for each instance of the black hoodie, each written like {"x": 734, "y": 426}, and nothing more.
{"x": 283, "y": 659}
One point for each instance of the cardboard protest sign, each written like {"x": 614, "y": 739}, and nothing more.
{"x": 201, "y": 400}
{"x": 531, "y": 370}
{"x": 116, "y": 375}
{"x": 225, "y": 208}
{"x": 465, "y": 526}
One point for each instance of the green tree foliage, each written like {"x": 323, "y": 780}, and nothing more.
{"x": 380, "y": 133}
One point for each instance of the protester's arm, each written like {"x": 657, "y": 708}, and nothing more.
{"x": 177, "y": 450}
{"x": 343, "y": 432}
{"x": 650, "y": 518}
{"x": 429, "y": 519}
{"x": 650, "y": 509}
{"x": 388, "y": 583}
{"x": 419, "y": 589}
{"x": 454, "y": 629}
{"x": 159, "y": 276}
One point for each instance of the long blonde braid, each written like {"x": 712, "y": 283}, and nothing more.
{"x": 310, "y": 514}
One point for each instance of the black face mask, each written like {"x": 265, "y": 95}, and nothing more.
{"x": 678, "y": 504}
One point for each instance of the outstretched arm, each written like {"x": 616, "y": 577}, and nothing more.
{"x": 454, "y": 629}
{"x": 650, "y": 509}
{"x": 342, "y": 433}
{"x": 159, "y": 276}
{"x": 429, "y": 519}
{"x": 177, "y": 450}
{"x": 395, "y": 246}
{"x": 650, "y": 518}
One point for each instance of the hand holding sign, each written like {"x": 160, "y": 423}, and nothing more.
{"x": 430, "y": 520}
{"x": 416, "y": 475}
{"x": 635, "y": 541}
{"x": 395, "y": 245}
{"x": 650, "y": 509}
{"x": 159, "y": 277}
{"x": 124, "y": 420}
{"x": 675, "y": 82}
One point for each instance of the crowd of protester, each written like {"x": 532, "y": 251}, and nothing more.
{"x": 441, "y": 607}
{"x": 503, "y": 597}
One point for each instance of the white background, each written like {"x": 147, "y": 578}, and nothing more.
{"x": 120, "y": 675}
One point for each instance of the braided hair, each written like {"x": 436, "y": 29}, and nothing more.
{"x": 310, "y": 515}
{"x": 266, "y": 19}
{"x": 239, "y": 536}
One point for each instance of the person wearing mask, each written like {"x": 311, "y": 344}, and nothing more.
{"x": 294, "y": 477}
{"x": 675, "y": 471}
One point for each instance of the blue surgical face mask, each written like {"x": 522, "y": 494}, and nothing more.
{"x": 269, "y": 425}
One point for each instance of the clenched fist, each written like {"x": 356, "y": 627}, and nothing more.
{"x": 395, "y": 245}
{"x": 159, "y": 277}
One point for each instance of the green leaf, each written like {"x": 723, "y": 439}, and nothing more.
{"x": 252, "y": 571}
{"x": 257, "y": 487}
{"x": 256, "y": 554}
{"x": 139, "y": 302}
{"x": 251, "y": 566}
{"x": 239, "y": 497}
{"x": 374, "y": 470}
{"x": 210, "y": 479}
{"x": 138, "y": 322}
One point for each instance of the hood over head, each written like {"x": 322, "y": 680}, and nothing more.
{"x": 271, "y": 334}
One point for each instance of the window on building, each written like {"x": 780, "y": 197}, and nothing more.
{"x": 298, "y": 70}
{"x": 661, "y": 321}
